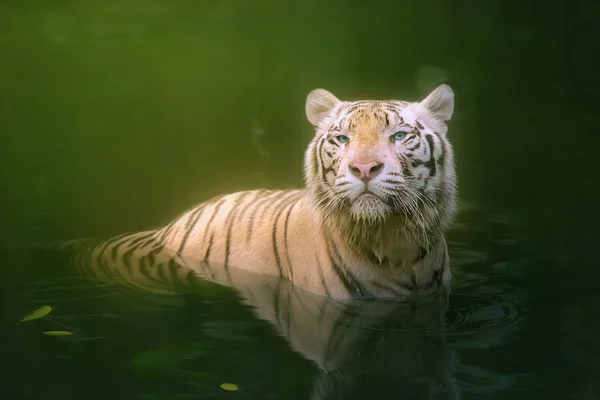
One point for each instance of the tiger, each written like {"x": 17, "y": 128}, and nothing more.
{"x": 380, "y": 192}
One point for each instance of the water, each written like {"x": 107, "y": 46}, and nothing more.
{"x": 117, "y": 116}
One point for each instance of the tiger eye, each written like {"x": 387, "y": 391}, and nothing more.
{"x": 399, "y": 135}
{"x": 343, "y": 138}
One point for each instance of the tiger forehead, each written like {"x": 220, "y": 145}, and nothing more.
{"x": 368, "y": 117}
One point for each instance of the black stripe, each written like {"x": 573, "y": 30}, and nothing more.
{"x": 403, "y": 286}
{"x": 230, "y": 219}
{"x": 174, "y": 272}
{"x": 210, "y": 245}
{"x": 322, "y": 170}
{"x": 130, "y": 286}
{"x": 82, "y": 261}
{"x": 149, "y": 240}
{"x": 336, "y": 337}
{"x": 152, "y": 254}
{"x": 359, "y": 106}
{"x": 415, "y": 147}
{"x": 315, "y": 159}
{"x": 396, "y": 113}
{"x": 250, "y": 203}
{"x": 100, "y": 259}
{"x": 442, "y": 166}
{"x": 143, "y": 268}
{"x": 422, "y": 254}
{"x": 191, "y": 279}
{"x": 438, "y": 274}
{"x": 167, "y": 230}
{"x": 207, "y": 267}
{"x": 349, "y": 280}
{"x": 399, "y": 119}
{"x": 278, "y": 211}
{"x": 117, "y": 246}
{"x": 104, "y": 246}
{"x": 268, "y": 197}
{"x": 135, "y": 245}
{"x": 405, "y": 169}
{"x": 336, "y": 268}
{"x": 413, "y": 281}
{"x": 200, "y": 208}
{"x": 146, "y": 288}
{"x": 194, "y": 215}
{"x": 209, "y": 223}
{"x": 115, "y": 239}
{"x": 322, "y": 274}
{"x": 190, "y": 227}
{"x": 285, "y": 241}
{"x": 430, "y": 163}
{"x": 385, "y": 287}
{"x": 360, "y": 288}
{"x": 339, "y": 331}
{"x": 160, "y": 268}
{"x": 436, "y": 277}
{"x": 140, "y": 239}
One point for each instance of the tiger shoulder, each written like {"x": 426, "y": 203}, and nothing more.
{"x": 380, "y": 192}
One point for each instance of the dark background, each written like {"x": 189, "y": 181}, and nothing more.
{"x": 117, "y": 115}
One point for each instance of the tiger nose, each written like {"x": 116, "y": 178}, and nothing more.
{"x": 366, "y": 171}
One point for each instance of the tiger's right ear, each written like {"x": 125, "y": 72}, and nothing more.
{"x": 318, "y": 104}
{"x": 440, "y": 102}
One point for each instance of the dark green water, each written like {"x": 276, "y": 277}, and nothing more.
{"x": 117, "y": 115}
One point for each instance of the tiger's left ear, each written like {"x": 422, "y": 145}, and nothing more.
{"x": 318, "y": 104}
{"x": 440, "y": 102}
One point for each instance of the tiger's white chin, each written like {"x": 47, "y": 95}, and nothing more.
{"x": 370, "y": 209}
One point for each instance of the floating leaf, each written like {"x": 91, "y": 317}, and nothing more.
{"x": 39, "y": 313}
{"x": 57, "y": 333}
{"x": 229, "y": 386}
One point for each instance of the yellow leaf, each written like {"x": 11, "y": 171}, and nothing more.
{"x": 57, "y": 333}
{"x": 39, "y": 313}
{"x": 229, "y": 386}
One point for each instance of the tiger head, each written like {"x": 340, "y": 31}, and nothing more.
{"x": 370, "y": 160}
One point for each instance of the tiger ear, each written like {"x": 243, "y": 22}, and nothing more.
{"x": 318, "y": 104}
{"x": 440, "y": 102}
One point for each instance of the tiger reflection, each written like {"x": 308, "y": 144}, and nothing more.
{"x": 395, "y": 346}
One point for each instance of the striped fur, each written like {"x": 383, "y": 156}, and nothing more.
{"x": 338, "y": 236}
